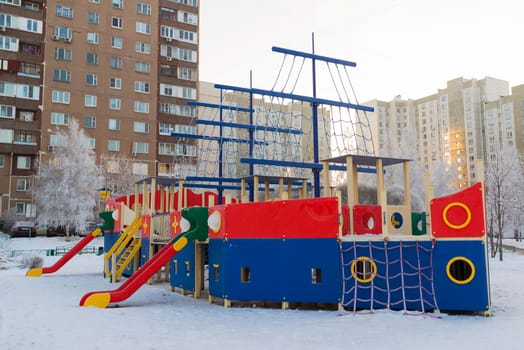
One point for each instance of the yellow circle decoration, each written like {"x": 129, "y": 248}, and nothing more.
{"x": 465, "y": 260}
{"x": 373, "y": 269}
{"x": 445, "y": 215}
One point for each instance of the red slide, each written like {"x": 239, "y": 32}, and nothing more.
{"x": 37, "y": 272}
{"x": 103, "y": 298}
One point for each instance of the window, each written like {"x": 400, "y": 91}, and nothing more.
{"x": 62, "y": 33}
{"x": 185, "y": 73}
{"x": 64, "y": 11}
{"x": 142, "y": 47}
{"x": 92, "y": 38}
{"x": 114, "y": 124}
{"x": 141, "y": 86}
{"x": 6, "y": 136}
{"x": 20, "y": 208}
{"x": 29, "y": 69}
{"x": 92, "y": 58}
{"x": 94, "y": 1}
{"x": 141, "y": 107}
{"x": 23, "y": 162}
{"x": 142, "y": 67}
{"x": 91, "y": 79}
{"x": 115, "y": 83}
{"x": 62, "y": 54}
{"x": 117, "y": 22}
{"x": 141, "y": 127}
{"x": 61, "y": 75}
{"x": 28, "y": 49}
{"x": 144, "y": 9}
{"x": 117, "y": 42}
{"x": 139, "y": 168}
{"x": 22, "y": 185}
{"x": 59, "y": 118}
{"x": 61, "y": 96}
{"x": 186, "y": 17}
{"x": 114, "y": 103}
{"x": 7, "y": 111}
{"x": 93, "y": 17}
{"x": 11, "y": 44}
{"x": 118, "y": 4}
{"x": 90, "y": 101}
{"x": 144, "y": 28}
{"x": 116, "y": 62}
{"x": 26, "y": 116}
{"x": 89, "y": 122}
{"x": 140, "y": 147}
{"x": 2, "y": 161}
{"x": 113, "y": 145}
{"x": 91, "y": 143}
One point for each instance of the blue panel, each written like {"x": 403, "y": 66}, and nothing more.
{"x": 144, "y": 251}
{"x": 263, "y": 258}
{"x": 109, "y": 240}
{"x": 182, "y": 268}
{"x": 472, "y": 296}
{"x": 279, "y": 270}
{"x": 403, "y": 278}
{"x": 300, "y": 257}
{"x": 216, "y": 250}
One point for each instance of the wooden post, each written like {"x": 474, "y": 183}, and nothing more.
{"x": 407, "y": 190}
{"x": 243, "y": 195}
{"x": 180, "y": 194}
{"x": 266, "y": 190}
{"x": 255, "y": 188}
{"x": 199, "y": 269}
{"x": 303, "y": 190}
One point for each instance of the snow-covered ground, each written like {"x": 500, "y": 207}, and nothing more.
{"x": 43, "y": 313}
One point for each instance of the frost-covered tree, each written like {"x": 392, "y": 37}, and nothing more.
{"x": 443, "y": 178}
{"x": 504, "y": 192}
{"x": 67, "y": 186}
{"x": 118, "y": 175}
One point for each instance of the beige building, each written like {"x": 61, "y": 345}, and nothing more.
{"x": 457, "y": 125}
{"x": 268, "y": 114}
{"x": 124, "y": 70}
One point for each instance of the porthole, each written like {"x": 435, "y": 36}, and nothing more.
{"x": 460, "y": 270}
{"x": 363, "y": 269}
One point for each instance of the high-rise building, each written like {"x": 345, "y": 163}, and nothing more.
{"x": 123, "y": 69}
{"x": 468, "y": 120}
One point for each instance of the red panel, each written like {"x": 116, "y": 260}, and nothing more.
{"x": 300, "y": 218}
{"x": 367, "y": 219}
{"x": 146, "y": 226}
{"x": 174, "y": 224}
{"x": 459, "y": 215}
{"x": 220, "y": 233}
{"x": 345, "y": 220}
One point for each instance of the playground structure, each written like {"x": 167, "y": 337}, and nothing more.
{"x": 301, "y": 244}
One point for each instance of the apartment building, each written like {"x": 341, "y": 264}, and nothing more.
{"x": 124, "y": 69}
{"x": 468, "y": 120}
{"x": 22, "y": 27}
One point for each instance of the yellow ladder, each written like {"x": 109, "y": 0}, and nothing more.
{"x": 122, "y": 243}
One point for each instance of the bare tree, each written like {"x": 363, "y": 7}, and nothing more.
{"x": 503, "y": 195}
{"x": 67, "y": 186}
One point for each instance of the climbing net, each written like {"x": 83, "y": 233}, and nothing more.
{"x": 393, "y": 275}
{"x": 281, "y": 126}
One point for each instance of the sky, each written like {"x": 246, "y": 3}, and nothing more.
{"x": 43, "y": 313}
{"x": 402, "y": 47}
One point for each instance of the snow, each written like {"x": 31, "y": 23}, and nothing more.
{"x": 43, "y": 313}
